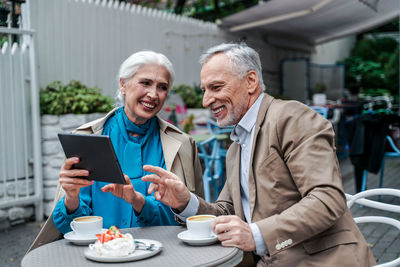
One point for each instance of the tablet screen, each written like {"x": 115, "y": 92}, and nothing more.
{"x": 96, "y": 155}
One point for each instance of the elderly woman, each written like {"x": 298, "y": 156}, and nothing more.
{"x": 139, "y": 138}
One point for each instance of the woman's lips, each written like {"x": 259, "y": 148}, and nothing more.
{"x": 147, "y": 105}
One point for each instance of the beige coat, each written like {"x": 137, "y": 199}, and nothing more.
{"x": 181, "y": 158}
{"x": 296, "y": 194}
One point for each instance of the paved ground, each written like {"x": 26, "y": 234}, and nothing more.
{"x": 15, "y": 242}
{"x": 384, "y": 240}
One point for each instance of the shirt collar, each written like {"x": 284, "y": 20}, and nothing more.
{"x": 246, "y": 124}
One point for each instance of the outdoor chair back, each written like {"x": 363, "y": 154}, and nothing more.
{"x": 214, "y": 167}
{"x": 360, "y": 198}
{"x": 323, "y": 111}
{"x": 213, "y": 127}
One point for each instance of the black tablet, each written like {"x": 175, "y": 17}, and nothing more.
{"x": 96, "y": 155}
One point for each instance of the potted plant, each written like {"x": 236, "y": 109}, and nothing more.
{"x": 319, "y": 96}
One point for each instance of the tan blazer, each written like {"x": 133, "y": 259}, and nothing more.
{"x": 181, "y": 158}
{"x": 296, "y": 194}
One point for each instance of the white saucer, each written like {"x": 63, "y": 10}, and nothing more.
{"x": 78, "y": 240}
{"x": 185, "y": 236}
{"x": 138, "y": 254}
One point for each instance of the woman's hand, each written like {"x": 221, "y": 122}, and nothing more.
{"x": 168, "y": 188}
{"x": 71, "y": 184}
{"x": 127, "y": 193}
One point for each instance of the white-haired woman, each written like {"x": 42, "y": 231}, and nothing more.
{"x": 139, "y": 138}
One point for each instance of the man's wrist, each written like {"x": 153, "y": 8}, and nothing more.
{"x": 190, "y": 209}
{"x": 261, "y": 247}
{"x": 181, "y": 208}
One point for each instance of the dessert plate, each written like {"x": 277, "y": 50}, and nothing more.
{"x": 79, "y": 240}
{"x": 138, "y": 254}
{"x": 186, "y": 237}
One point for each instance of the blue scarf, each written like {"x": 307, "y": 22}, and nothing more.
{"x": 134, "y": 152}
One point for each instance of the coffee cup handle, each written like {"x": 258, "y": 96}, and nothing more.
{"x": 72, "y": 226}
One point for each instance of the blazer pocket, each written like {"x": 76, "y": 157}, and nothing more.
{"x": 329, "y": 241}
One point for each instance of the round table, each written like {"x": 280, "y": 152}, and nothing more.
{"x": 174, "y": 252}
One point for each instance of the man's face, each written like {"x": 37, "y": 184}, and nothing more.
{"x": 145, "y": 92}
{"x": 224, "y": 92}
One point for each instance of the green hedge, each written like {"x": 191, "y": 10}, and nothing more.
{"x": 75, "y": 98}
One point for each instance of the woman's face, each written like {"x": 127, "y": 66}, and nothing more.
{"x": 145, "y": 92}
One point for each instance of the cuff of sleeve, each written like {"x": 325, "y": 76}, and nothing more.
{"x": 191, "y": 208}
{"x": 148, "y": 211}
{"x": 77, "y": 213}
{"x": 261, "y": 247}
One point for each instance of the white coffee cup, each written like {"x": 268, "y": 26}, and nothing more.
{"x": 87, "y": 226}
{"x": 199, "y": 226}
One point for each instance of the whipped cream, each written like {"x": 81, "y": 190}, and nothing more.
{"x": 118, "y": 247}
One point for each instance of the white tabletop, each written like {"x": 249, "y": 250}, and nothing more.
{"x": 174, "y": 253}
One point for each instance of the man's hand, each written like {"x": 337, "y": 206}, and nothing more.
{"x": 233, "y": 232}
{"x": 127, "y": 193}
{"x": 168, "y": 188}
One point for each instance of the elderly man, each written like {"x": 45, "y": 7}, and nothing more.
{"x": 283, "y": 179}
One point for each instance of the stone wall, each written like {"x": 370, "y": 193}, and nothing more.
{"x": 52, "y": 153}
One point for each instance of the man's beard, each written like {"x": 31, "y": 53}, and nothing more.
{"x": 231, "y": 118}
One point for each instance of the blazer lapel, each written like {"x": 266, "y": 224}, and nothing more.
{"x": 234, "y": 178}
{"x": 170, "y": 145}
{"x": 266, "y": 102}
{"x": 252, "y": 184}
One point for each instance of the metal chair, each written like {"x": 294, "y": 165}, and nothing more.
{"x": 214, "y": 128}
{"x": 214, "y": 172}
{"x": 323, "y": 111}
{"x": 394, "y": 154}
{"x": 213, "y": 154}
{"x": 360, "y": 198}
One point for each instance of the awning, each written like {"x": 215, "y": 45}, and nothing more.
{"x": 307, "y": 23}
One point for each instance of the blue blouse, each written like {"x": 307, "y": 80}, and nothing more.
{"x": 132, "y": 154}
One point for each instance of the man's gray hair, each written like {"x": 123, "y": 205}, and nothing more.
{"x": 131, "y": 65}
{"x": 242, "y": 59}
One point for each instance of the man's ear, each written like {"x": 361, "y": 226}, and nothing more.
{"x": 122, "y": 85}
{"x": 252, "y": 81}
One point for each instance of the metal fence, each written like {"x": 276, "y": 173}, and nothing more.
{"x": 20, "y": 152}
{"x": 87, "y": 40}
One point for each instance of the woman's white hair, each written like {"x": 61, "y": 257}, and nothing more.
{"x": 131, "y": 65}
{"x": 242, "y": 59}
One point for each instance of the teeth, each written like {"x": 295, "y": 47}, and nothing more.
{"x": 217, "y": 110}
{"x": 148, "y": 105}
